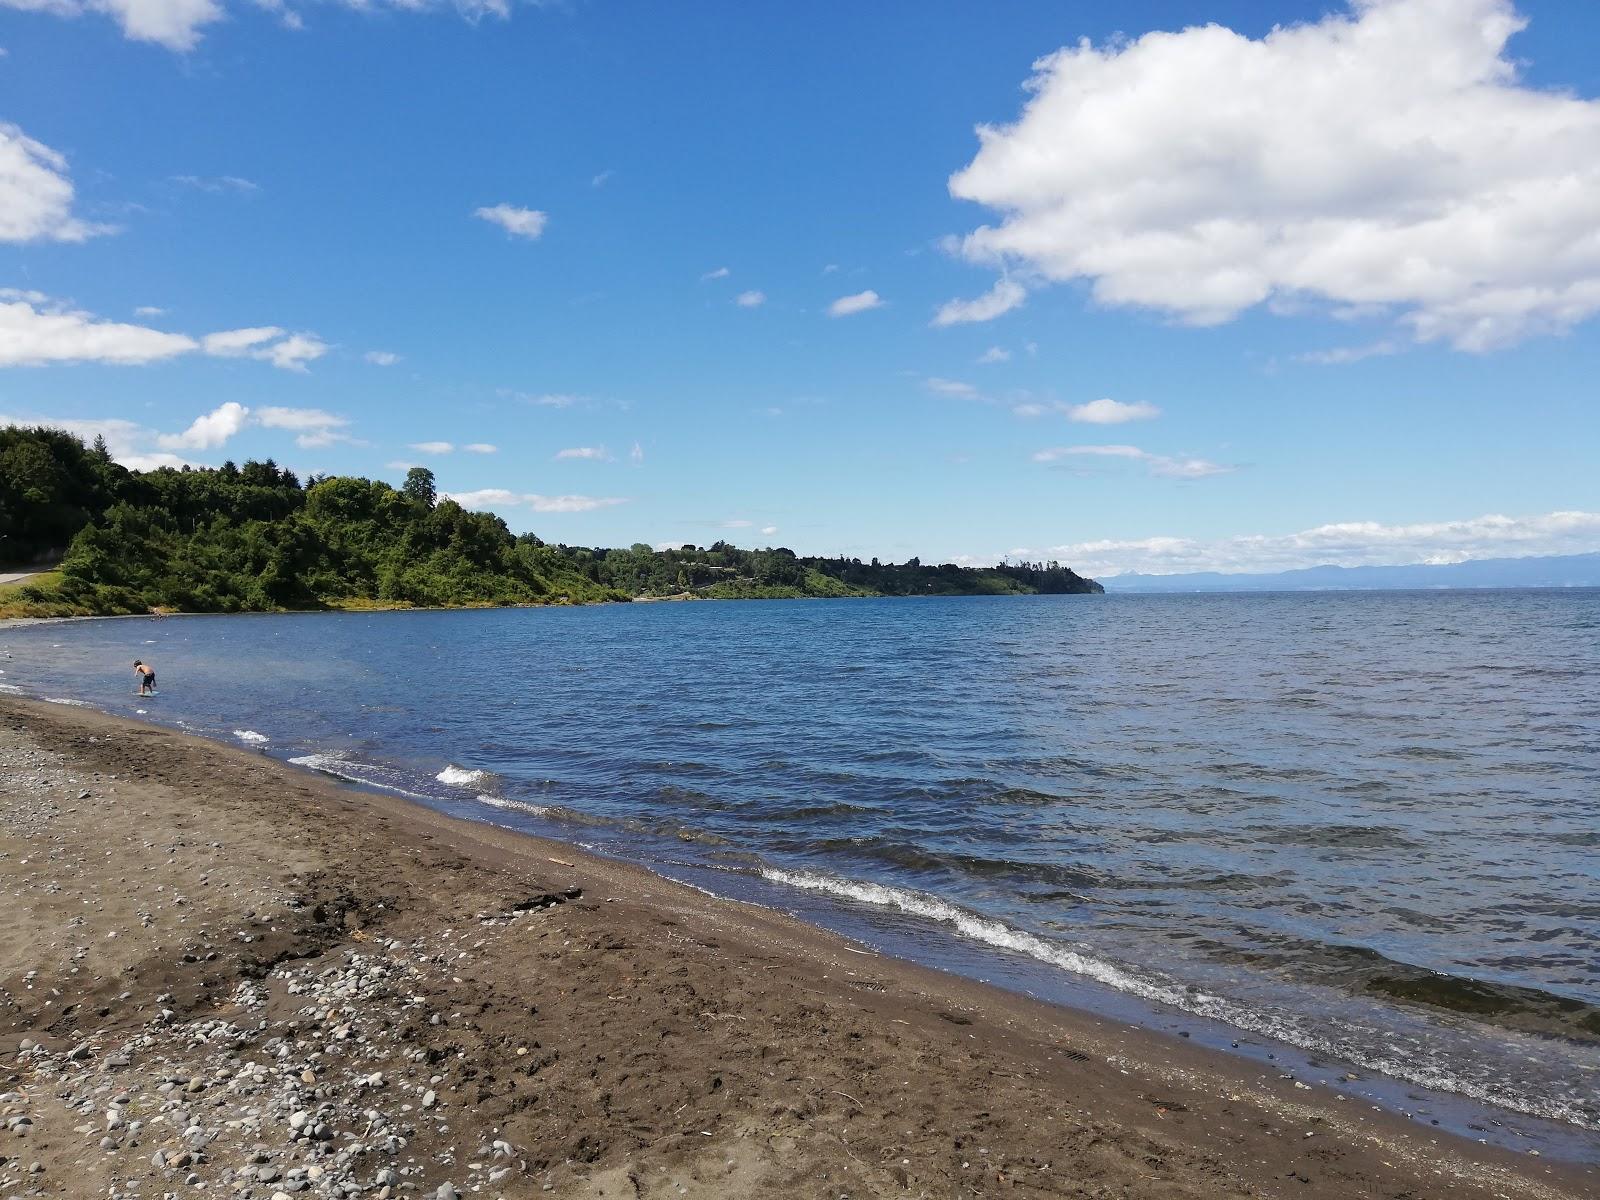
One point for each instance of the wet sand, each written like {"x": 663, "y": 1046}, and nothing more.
{"x": 220, "y": 973}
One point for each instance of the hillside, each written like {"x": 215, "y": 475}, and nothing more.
{"x": 253, "y": 538}
{"x": 1540, "y": 571}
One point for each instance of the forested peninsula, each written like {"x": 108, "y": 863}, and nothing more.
{"x": 254, "y": 538}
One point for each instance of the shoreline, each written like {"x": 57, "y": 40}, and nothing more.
{"x": 921, "y": 1062}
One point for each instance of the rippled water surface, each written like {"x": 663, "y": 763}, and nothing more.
{"x": 1367, "y": 824}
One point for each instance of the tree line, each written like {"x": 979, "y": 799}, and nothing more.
{"x": 255, "y": 538}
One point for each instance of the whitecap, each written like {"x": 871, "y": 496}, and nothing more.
{"x": 63, "y": 700}
{"x": 537, "y": 810}
{"x": 250, "y": 736}
{"x": 455, "y": 776}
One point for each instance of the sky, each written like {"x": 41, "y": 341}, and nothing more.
{"x": 1159, "y": 285}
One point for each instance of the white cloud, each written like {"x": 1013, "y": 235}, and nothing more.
{"x": 1005, "y": 295}
{"x": 501, "y": 498}
{"x": 1202, "y": 173}
{"x": 175, "y": 24}
{"x": 1344, "y": 543}
{"x": 636, "y": 455}
{"x": 846, "y": 306}
{"x": 601, "y": 179}
{"x": 519, "y": 222}
{"x": 149, "y": 310}
{"x": 36, "y": 194}
{"x": 1158, "y": 464}
{"x": 1106, "y": 411}
{"x": 951, "y": 387}
{"x": 294, "y": 351}
{"x": 737, "y": 523}
{"x": 381, "y": 358}
{"x": 314, "y": 427}
{"x": 994, "y": 354}
{"x": 550, "y": 399}
{"x": 1343, "y": 355}
{"x": 33, "y": 333}
{"x": 237, "y": 343}
{"x": 481, "y": 448}
{"x": 216, "y": 184}
{"x": 209, "y": 430}
{"x": 719, "y": 273}
{"x": 593, "y": 453}
{"x": 750, "y": 299}
{"x": 268, "y": 343}
{"x": 433, "y": 447}
{"x": 769, "y": 530}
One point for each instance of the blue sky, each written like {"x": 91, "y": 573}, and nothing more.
{"x": 1332, "y": 287}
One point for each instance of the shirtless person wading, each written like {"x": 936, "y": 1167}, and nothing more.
{"x": 147, "y": 677}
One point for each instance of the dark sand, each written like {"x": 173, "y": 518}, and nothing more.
{"x": 220, "y": 973}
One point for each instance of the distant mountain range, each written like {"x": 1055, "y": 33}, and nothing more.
{"x": 1564, "y": 570}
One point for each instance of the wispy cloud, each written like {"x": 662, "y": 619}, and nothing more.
{"x": 433, "y": 447}
{"x": 718, "y": 273}
{"x": 216, "y": 184}
{"x": 1343, "y": 355}
{"x": 994, "y": 354}
{"x": 518, "y": 222}
{"x": 381, "y": 358}
{"x": 860, "y": 302}
{"x": 750, "y": 299}
{"x": 1158, "y": 464}
{"x": 1342, "y": 543}
{"x": 1005, "y": 295}
{"x": 481, "y": 448}
{"x": 591, "y": 453}
{"x": 951, "y": 387}
{"x": 602, "y": 178}
{"x": 1106, "y": 411}
{"x": 496, "y": 498}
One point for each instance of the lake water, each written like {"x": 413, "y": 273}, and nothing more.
{"x": 1355, "y": 831}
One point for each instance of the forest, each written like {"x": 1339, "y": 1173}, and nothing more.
{"x": 256, "y": 538}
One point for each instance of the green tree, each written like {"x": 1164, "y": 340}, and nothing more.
{"x": 419, "y": 486}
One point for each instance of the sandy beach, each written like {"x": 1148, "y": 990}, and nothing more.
{"x": 218, "y": 973}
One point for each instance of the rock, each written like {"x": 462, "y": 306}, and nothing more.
{"x": 429, "y": 1098}
{"x": 447, "y": 1191}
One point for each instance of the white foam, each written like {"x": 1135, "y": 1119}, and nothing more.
{"x": 251, "y": 736}
{"x": 10, "y": 687}
{"x": 1394, "y": 1061}
{"x": 343, "y": 768}
{"x": 537, "y": 810}
{"x": 455, "y": 776}
{"x": 63, "y": 700}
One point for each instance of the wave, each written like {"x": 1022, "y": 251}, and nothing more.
{"x": 535, "y": 810}
{"x": 251, "y": 737}
{"x": 454, "y": 776}
{"x": 64, "y": 700}
{"x": 366, "y": 774}
{"x": 11, "y": 688}
{"x": 1394, "y": 1060}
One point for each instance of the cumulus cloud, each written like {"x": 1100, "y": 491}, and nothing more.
{"x": 592, "y": 453}
{"x": 518, "y": 222}
{"x": 861, "y": 302}
{"x": 381, "y": 358}
{"x": 35, "y": 332}
{"x": 175, "y": 24}
{"x": 1158, "y": 464}
{"x": 1005, "y": 295}
{"x": 1344, "y": 543}
{"x": 769, "y": 530}
{"x": 1106, "y": 411}
{"x": 209, "y": 430}
{"x": 493, "y": 498}
{"x": 750, "y": 299}
{"x": 314, "y": 428}
{"x": 1202, "y": 173}
{"x": 35, "y": 193}
{"x": 268, "y": 343}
